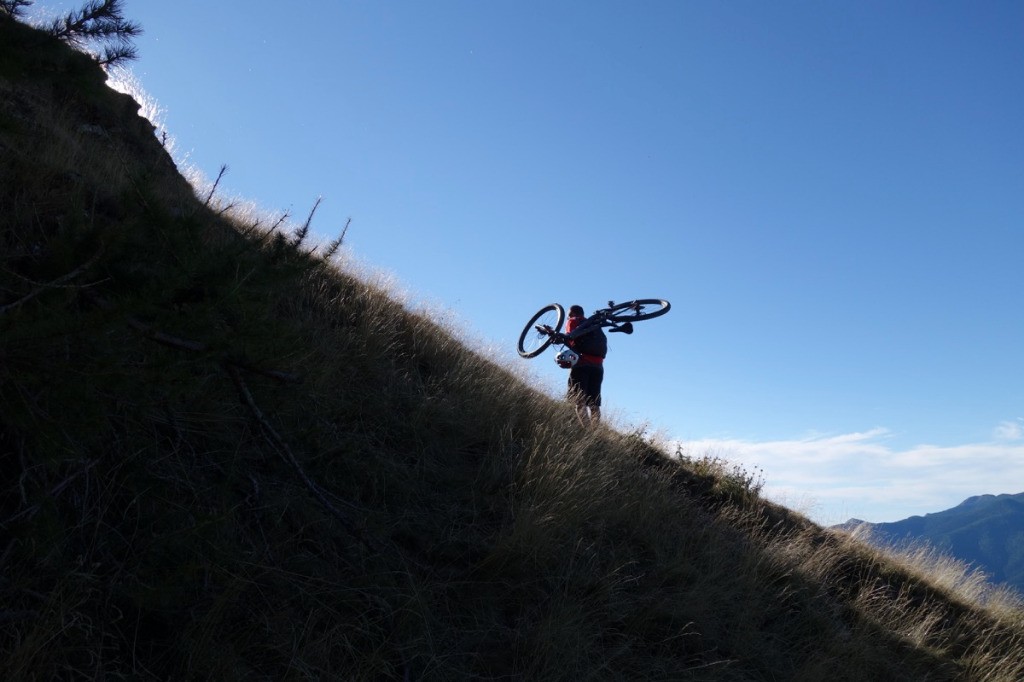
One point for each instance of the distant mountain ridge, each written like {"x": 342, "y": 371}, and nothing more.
{"x": 986, "y": 531}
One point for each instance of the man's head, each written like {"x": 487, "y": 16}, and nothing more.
{"x": 575, "y": 311}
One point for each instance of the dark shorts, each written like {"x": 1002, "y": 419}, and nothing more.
{"x": 585, "y": 382}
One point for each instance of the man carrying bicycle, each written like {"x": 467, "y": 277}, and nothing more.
{"x": 586, "y": 344}
{"x": 590, "y": 345}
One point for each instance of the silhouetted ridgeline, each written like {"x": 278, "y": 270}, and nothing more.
{"x": 223, "y": 457}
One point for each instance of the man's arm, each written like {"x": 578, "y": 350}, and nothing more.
{"x": 585, "y": 328}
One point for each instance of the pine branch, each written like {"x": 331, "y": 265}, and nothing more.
{"x": 300, "y": 234}
{"x": 209, "y": 197}
{"x": 117, "y": 54}
{"x": 14, "y": 8}
{"x": 249, "y": 229}
{"x": 269, "y": 232}
{"x": 333, "y": 247}
{"x": 286, "y": 453}
{"x": 284, "y": 216}
{"x": 181, "y": 343}
{"x": 98, "y": 19}
{"x": 227, "y": 208}
{"x": 56, "y": 490}
{"x": 58, "y": 283}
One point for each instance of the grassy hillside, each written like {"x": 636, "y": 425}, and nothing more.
{"x": 986, "y": 531}
{"x": 224, "y": 457}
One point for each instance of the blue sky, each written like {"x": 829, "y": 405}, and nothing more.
{"x": 830, "y": 194}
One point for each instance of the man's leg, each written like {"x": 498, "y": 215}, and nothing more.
{"x": 595, "y": 394}
{"x": 575, "y": 394}
{"x": 592, "y": 395}
{"x": 585, "y": 392}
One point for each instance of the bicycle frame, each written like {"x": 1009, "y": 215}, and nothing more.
{"x": 598, "y": 318}
{"x": 544, "y": 328}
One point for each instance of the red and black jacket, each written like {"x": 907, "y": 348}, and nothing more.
{"x": 585, "y": 358}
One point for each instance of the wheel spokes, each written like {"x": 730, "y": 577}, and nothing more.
{"x": 537, "y": 337}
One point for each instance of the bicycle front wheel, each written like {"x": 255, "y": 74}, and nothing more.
{"x": 640, "y": 309}
{"x": 533, "y": 342}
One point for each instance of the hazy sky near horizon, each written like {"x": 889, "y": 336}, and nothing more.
{"x": 830, "y": 194}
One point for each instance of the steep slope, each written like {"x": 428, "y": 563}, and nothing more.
{"x": 225, "y": 458}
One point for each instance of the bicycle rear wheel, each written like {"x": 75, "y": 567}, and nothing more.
{"x": 532, "y": 342}
{"x": 639, "y": 309}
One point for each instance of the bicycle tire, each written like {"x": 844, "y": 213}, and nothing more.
{"x": 633, "y": 311}
{"x": 531, "y": 342}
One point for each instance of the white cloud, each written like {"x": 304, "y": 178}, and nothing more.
{"x": 1010, "y": 430}
{"x": 860, "y": 475}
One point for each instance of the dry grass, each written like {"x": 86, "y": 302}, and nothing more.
{"x": 225, "y": 457}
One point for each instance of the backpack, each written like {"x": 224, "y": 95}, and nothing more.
{"x": 592, "y": 343}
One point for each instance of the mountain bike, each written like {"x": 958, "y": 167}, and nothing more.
{"x": 544, "y": 328}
